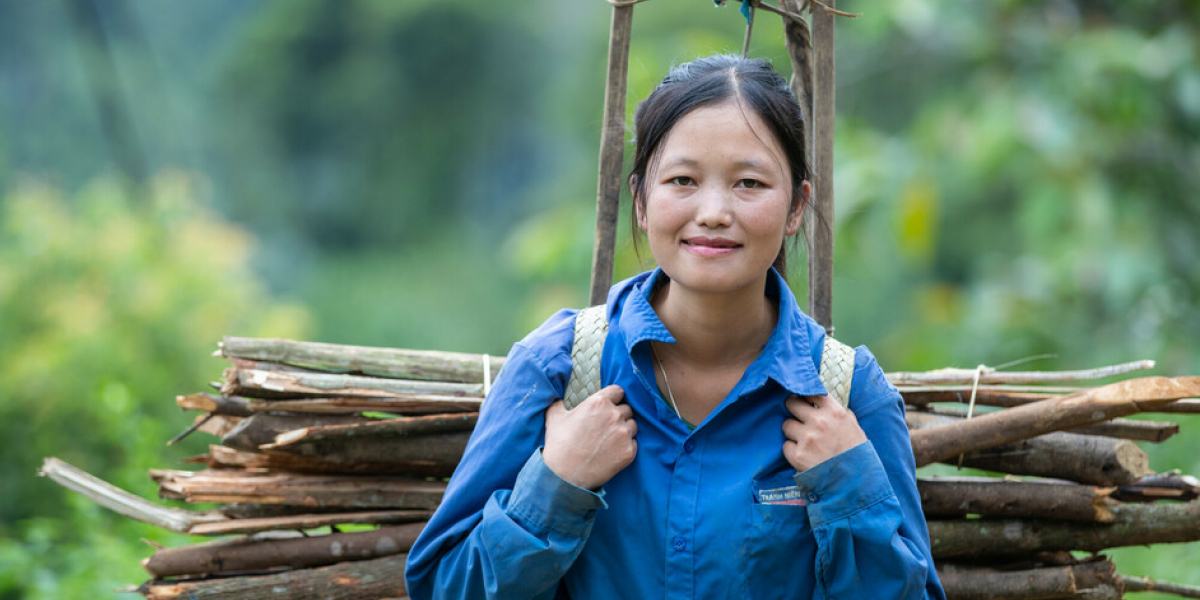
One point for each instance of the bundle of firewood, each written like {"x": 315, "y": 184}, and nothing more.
{"x": 332, "y": 457}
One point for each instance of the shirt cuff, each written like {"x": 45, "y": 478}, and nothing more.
{"x": 844, "y": 484}
{"x": 549, "y": 503}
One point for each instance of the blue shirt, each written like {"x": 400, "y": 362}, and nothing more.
{"x": 711, "y": 512}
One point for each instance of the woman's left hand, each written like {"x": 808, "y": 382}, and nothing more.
{"x": 819, "y": 429}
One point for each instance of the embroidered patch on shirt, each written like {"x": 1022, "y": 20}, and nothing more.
{"x": 785, "y": 495}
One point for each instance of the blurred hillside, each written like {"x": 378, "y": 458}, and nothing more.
{"x": 1013, "y": 179}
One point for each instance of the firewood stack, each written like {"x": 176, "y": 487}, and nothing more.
{"x": 357, "y": 441}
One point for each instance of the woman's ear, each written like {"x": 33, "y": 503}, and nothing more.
{"x": 797, "y": 216}
{"x": 638, "y": 210}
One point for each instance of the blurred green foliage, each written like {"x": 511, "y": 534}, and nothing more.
{"x": 108, "y": 308}
{"x": 1012, "y": 179}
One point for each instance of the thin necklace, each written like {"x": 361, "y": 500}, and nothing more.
{"x": 666, "y": 381}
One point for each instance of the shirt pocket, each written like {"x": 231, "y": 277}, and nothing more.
{"x": 780, "y": 547}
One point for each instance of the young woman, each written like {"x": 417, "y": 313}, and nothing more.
{"x": 713, "y": 464}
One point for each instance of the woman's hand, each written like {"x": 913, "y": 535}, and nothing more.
{"x": 587, "y": 446}
{"x": 819, "y": 430}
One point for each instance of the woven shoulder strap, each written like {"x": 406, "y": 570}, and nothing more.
{"x": 591, "y": 327}
{"x": 837, "y": 368}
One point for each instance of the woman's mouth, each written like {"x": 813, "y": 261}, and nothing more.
{"x": 710, "y": 246}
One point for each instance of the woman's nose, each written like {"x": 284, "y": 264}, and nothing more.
{"x": 714, "y": 208}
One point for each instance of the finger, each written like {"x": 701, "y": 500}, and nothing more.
{"x": 633, "y": 428}
{"x": 822, "y": 401}
{"x": 612, "y": 394}
{"x": 799, "y": 407}
{"x": 793, "y": 430}
{"x": 625, "y": 411}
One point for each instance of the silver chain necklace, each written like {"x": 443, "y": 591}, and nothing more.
{"x": 666, "y": 382}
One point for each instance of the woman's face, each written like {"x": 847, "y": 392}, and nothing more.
{"x": 717, "y": 201}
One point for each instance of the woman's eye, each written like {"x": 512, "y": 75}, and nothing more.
{"x": 750, "y": 183}
{"x": 681, "y": 180}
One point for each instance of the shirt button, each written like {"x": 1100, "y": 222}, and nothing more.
{"x": 680, "y": 543}
{"x": 813, "y": 497}
{"x": 688, "y": 446}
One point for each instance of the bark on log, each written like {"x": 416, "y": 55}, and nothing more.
{"x": 383, "y": 362}
{"x": 262, "y": 428}
{"x": 982, "y": 583}
{"x": 122, "y": 502}
{"x": 222, "y": 457}
{"x": 215, "y": 403}
{"x": 1126, "y": 429}
{"x": 1011, "y": 396}
{"x": 998, "y": 498}
{"x": 310, "y": 521}
{"x": 434, "y": 455}
{"x": 1082, "y": 408}
{"x": 1161, "y": 486}
{"x": 313, "y": 491}
{"x": 279, "y": 384}
{"x": 401, "y": 427}
{"x": 1060, "y": 455}
{"x": 395, "y": 404}
{"x": 989, "y": 375}
{"x": 1134, "y": 525}
{"x": 1145, "y": 584}
{"x": 297, "y": 553}
{"x": 351, "y": 580}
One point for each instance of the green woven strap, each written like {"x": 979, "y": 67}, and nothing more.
{"x": 591, "y": 327}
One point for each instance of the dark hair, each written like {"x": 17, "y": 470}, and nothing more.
{"x": 712, "y": 80}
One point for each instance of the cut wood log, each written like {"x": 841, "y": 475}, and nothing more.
{"x": 990, "y": 497}
{"x": 312, "y": 491}
{"x": 217, "y": 425}
{"x": 383, "y": 428}
{"x": 216, "y": 404}
{"x": 1082, "y": 408}
{"x": 297, "y": 553}
{"x": 982, "y": 583}
{"x": 350, "y": 580}
{"x": 988, "y": 375}
{"x": 310, "y": 521}
{"x": 261, "y": 428}
{"x": 433, "y": 455}
{"x": 280, "y": 384}
{"x": 1133, "y": 525}
{"x": 1081, "y": 458}
{"x": 383, "y": 362}
{"x": 223, "y": 457}
{"x": 1010, "y": 396}
{"x": 991, "y": 396}
{"x": 122, "y": 502}
{"x": 1161, "y": 486}
{"x": 1127, "y": 429}
{"x": 1145, "y": 584}
{"x": 395, "y": 404}
{"x": 1130, "y": 429}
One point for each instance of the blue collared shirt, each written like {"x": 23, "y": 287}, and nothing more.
{"x": 710, "y": 512}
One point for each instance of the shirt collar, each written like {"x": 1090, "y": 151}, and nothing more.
{"x": 788, "y": 357}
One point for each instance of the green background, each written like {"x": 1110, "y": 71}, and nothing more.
{"x": 1013, "y": 179}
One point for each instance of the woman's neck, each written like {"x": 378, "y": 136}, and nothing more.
{"x": 716, "y": 330}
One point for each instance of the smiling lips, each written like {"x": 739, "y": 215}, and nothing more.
{"x": 706, "y": 246}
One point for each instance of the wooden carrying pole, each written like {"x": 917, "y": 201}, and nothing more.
{"x": 819, "y": 228}
{"x": 612, "y": 153}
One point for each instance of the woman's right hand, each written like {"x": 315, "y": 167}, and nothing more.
{"x": 587, "y": 446}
